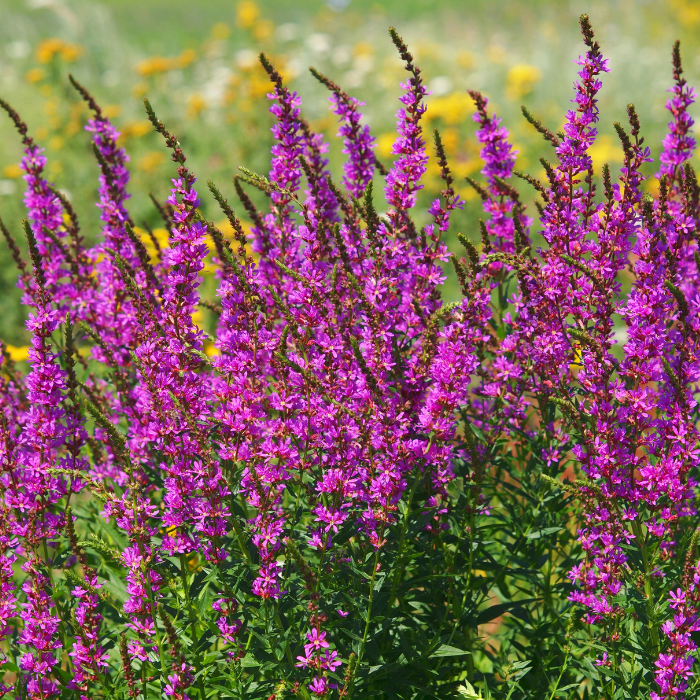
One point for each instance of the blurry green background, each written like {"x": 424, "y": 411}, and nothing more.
{"x": 197, "y": 62}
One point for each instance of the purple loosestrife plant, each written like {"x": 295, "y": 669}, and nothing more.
{"x": 331, "y": 486}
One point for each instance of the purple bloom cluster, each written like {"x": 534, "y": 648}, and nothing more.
{"x": 337, "y": 393}
{"x": 634, "y": 418}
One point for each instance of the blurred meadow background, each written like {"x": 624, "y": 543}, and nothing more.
{"x": 197, "y": 63}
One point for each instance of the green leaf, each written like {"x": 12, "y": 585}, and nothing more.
{"x": 497, "y": 610}
{"x": 467, "y": 692}
{"x": 543, "y": 532}
{"x": 477, "y": 432}
{"x": 248, "y": 661}
{"x": 446, "y": 650}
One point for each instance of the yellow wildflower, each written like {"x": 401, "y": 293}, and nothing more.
{"x": 137, "y": 129}
{"x": 246, "y": 14}
{"x": 259, "y": 84}
{"x": 465, "y": 59}
{"x": 49, "y": 48}
{"x": 575, "y": 366}
{"x": 688, "y": 12}
{"x": 71, "y": 52}
{"x": 153, "y": 65}
{"x": 210, "y": 350}
{"x": 195, "y": 105}
{"x": 112, "y": 111}
{"x": 363, "y": 48}
{"x": 186, "y": 58}
{"x": 161, "y": 236}
{"x": 263, "y": 29}
{"x": 160, "y": 64}
{"x": 12, "y": 171}
{"x": 604, "y": 150}
{"x": 220, "y": 31}
{"x": 521, "y": 79}
{"x": 51, "y": 106}
{"x": 151, "y": 161}
{"x": 18, "y": 354}
{"x": 451, "y": 108}
{"x": 496, "y": 54}
{"x": 197, "y": 316}
{"x": 34, "y": 75}
{"x": 385, "y": 143}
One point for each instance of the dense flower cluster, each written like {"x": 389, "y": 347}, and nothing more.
{"x": 240, "y": 472}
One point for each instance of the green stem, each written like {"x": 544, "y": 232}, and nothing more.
{"x": 361, "y": 652}
{"x": 398, "y": 575}
{"x": 159, "y": 640}
{"x": 648, "y": 592}
{"x": 561, "y": 672}
{"x": 241, "y": 541}
{"x": 193, "y": 626}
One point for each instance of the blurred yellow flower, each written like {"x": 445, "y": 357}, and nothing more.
{"x": 71, "y": 52}
{"x": 18, "y": 354}
{"x": 197, "y": 316}
{"x": 41, "y": 133}
{"x": 604, "y": 150}
{"x": 688, "y": 11}
{"x": 12, "y": 171}
{"x": 465, "y": 59}
{"x": 451, "y": 108}
{"x": 210, "y": 350}
{"x": 246, "y": 14}
{"x": 34, "y": 75}
{"x": 49, "y": 48}
{"x": 136, "y": 129}
{"x": 161, "y": 236}
{"x": 153, "y": 65}
{"x": 225, "y": 227}
{"x": 195, "y": 105}
{"x": 385, "y": 143}
{"x": 51, "y": 106}
{"x": 221, "y": 31}
{"x": 466, "y": 193}
{"x": 652, "y": 186}
{"x": 263, "y": 29}
{"x": 575, "y": 366}
{"x": 363, "y": 48}
{"x": 427, "y": 50}
{"x": 521, "y": 79}
{"x": 450, "y": 140}
{"x": 111, "y": 111}
{"x": 496, "y": 54}
{"x": 56, "y": 143}
{"x": 74, "y": 125}
{"x": 139, "y": 90}
{"x": 161, "y": 64}
{"x": 259, "y": 84}
{"x": 186, "y": 58}
{"x": 463, "y": 167}
{"x": 151, "y": 161}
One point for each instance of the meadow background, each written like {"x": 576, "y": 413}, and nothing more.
{"x": 197, "y": 63}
